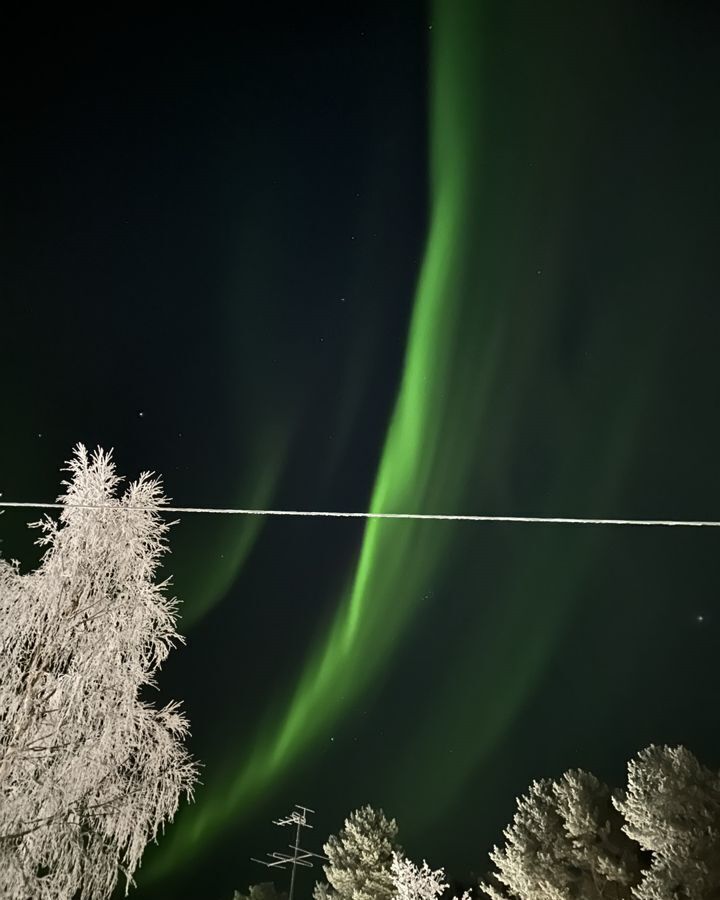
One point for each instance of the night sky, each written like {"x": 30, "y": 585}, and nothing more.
{"x": 450, "y": 259}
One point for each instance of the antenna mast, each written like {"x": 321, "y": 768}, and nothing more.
{"x": 299, "y": 857}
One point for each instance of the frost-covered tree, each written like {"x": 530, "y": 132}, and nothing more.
{"x": 360, "y": 858}
{"x": 323, "y": 891}
{"x": 89, "y": 769}
{"x": 659, "y": 839}
{"x": 416, "y": 882}
{"x": 566, "y": 840}
{"x": 672, "y": 810}
{"x": 266, "y": 890}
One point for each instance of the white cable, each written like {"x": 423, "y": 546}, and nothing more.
{"x": 548, "y": 520}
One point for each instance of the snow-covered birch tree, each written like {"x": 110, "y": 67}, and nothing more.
{"x": 90, "y": 771}
{"x": 360, "y": 858}
{"x": 416, "y": 882}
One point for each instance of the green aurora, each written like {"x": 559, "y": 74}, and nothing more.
{"x": 454, "y": 257}
{"x": 231, "y": 539}
{"x": 473, "y": 347}
{"x": 384, "y": 591}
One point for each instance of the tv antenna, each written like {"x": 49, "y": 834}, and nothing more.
{"x": 299, "y": 857}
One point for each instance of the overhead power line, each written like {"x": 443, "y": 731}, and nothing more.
{"x": 332, "y": 514}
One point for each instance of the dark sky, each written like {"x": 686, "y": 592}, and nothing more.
{"x": 455, "y": 259}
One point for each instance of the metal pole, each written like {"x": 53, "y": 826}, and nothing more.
{"x": 294, "y": 862}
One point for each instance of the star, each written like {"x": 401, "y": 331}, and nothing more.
{"x": 700, "y": 619}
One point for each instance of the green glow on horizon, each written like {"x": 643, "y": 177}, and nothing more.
{"x": 432, "y": 398}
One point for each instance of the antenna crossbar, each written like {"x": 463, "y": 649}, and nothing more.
{"x": 279, "y": 859}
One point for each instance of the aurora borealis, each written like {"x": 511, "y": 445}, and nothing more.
{"x": 453, "y": 259}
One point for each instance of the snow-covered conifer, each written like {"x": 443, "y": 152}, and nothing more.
{"x": 323, "y": 891}
{"x": 659, "y": 839}
{"x": 565, "y": 840}
{"x": 89, "y": 769}
{"x": 360, "y": 858}
{"x": 672, "y": 809}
